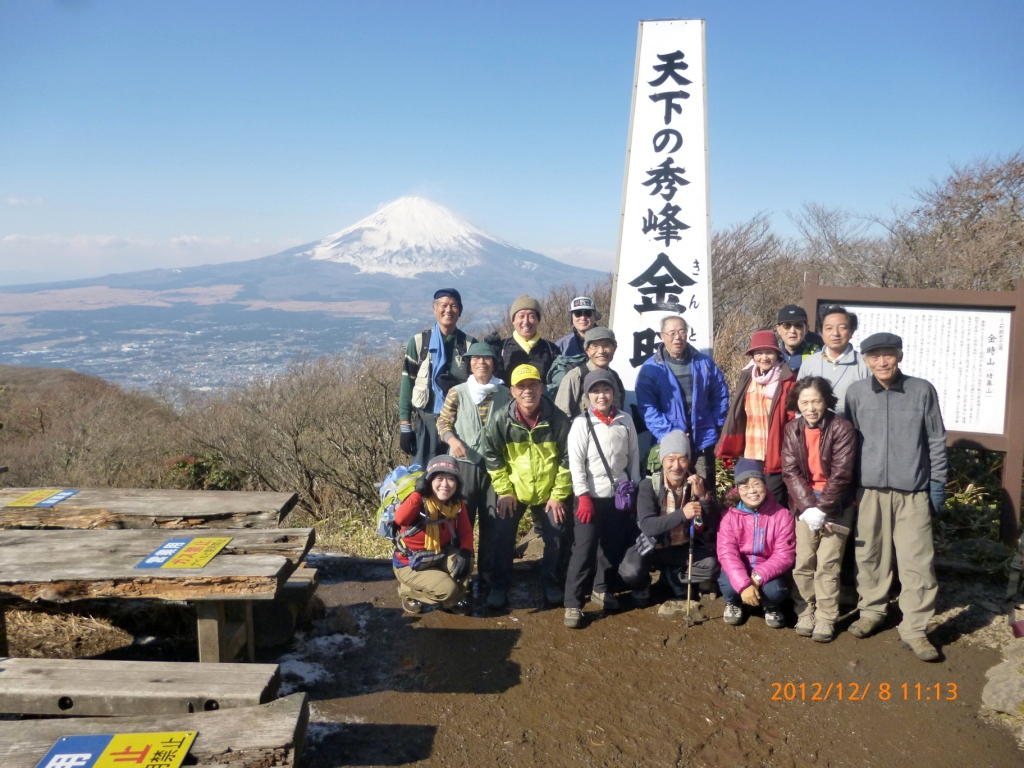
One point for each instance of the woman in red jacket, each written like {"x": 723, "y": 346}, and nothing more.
{"x": 434, "y": 556}
{"x": 758, "y": 413}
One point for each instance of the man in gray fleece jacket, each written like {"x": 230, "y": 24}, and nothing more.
{"x": 902, "y": 481}
{"x": 837, "y": 361}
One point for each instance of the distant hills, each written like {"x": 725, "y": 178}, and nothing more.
{"x": 369, "y": 283}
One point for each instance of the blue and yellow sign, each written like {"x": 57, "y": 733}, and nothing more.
{"x": 120, "y": 750}
{"x": 193, "y": 552}
{"x": 43, "y": 497}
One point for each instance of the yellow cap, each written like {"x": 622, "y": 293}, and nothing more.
{"x": 524, "y": 372}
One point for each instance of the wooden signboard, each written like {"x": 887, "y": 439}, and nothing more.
{"x": 969, "y": 346}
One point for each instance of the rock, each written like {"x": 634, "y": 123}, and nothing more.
{"x": 1006, "y": 669}
{"x": 983, "y": 550}
{"x": 1004, "y": 694}
{"x": 530, "y": 547}
{"x": 673, "y": 607}
{"x": 341, "y": 621}
{"x": 1014, "y": 649}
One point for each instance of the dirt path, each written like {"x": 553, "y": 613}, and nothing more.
{"x": 632, "y": 689}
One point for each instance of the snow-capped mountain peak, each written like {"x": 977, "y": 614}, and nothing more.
{"x": 405, "y": 238}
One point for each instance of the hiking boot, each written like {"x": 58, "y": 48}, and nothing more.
{"x": 773, "y": 618}
{"x": 410, "y": 606}
{"x": 733, "y": 614}
{"x": 606, "y": 600}
{"x": 554, "y": 595}
{"x": 866, "y": 626}
{"x": 573, "y": 618}
{"x": 497, "y": 599}
{"x": 922, "y": 648}
{"x": 824, "y": 632}
{"x": 805, "y": 625}
{"x": 641, "y": 598}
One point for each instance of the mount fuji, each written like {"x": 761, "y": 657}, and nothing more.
{"x": 370, "y": 283}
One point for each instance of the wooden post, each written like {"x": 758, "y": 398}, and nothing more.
{"x": 3, "y": 629}
{"x": 210, "y": 628}
{"x": 1013, "y": 461}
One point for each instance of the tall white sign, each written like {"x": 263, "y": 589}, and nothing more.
{"x": 663, "y": 265}
{"x": 964, "y": 353}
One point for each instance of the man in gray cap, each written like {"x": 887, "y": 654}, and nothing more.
{"x": 902, "y": 482}
{"x": 433, "y": 364}
{"x": 461, "y": 426}
{"x": 668, "y": 503}
{"x": 600, "y": 348}
{"x": 525, "y": 346}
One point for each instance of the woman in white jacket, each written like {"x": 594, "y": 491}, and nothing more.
{"x": 603, "y": 452}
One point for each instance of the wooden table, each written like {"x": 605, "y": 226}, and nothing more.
{"x": 67, "y": 565}
{"x": 266, "y": 736}
{"x": 147, "y": 508}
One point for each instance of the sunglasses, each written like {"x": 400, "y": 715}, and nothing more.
{"x": 583, "y": 313}
{"x": 788, "y": 326}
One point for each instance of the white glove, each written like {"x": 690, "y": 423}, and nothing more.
{"x": 814, "y": 518}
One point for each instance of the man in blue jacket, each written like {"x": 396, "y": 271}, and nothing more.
{"x": 681, "y": 388}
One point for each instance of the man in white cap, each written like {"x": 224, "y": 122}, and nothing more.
{"x": 583, "y": 316}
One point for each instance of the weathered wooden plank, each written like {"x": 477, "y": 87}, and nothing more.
{"x": 95, "y": 508}
{"x": 91, "y": 688}
{"x": 74, "y": 565}
{"x": 267, "y": 736}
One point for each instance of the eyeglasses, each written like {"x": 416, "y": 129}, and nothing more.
{"x": 583, "y": 313}
{"x": 753, "y": 484}
{"x": 788, "y": 326}
{"x": 675, "y": 334}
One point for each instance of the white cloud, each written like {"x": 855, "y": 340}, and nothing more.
{"x": 49, "y": 258}
{"x": 591, "y": 258}
{"x": 22, "y": 202}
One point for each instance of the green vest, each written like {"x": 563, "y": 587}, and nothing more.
{"x": 469, "y": 428}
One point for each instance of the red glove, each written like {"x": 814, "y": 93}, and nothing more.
{"x": 584, "y": 509}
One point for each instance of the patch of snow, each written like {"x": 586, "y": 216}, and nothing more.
{"x": 298, "y": 675}
{"x": 405, "y": 238}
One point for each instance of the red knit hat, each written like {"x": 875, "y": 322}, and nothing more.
{"x": 763, "y": 340}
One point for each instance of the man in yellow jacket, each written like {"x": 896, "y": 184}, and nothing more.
{"x": 525, "y": 453}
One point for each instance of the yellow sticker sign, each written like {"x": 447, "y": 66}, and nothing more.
{"x": 32, "y": 498}
{"x": 185, "y": 552}
{"x": 198, "y": 552}
{"x": 145, "y": 750}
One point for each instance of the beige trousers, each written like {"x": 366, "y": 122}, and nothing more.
{"x": 819, "y": 555}
{"x": 896, "y": 525}
{"x": 434, "y": 586}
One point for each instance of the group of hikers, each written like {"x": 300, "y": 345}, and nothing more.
{"x": 826, "y": 442}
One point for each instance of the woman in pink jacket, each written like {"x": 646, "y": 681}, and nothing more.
{"x": 756, "y": 548}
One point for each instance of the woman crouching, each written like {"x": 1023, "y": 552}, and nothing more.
{"x": 434, "y": 556}
{"x": 756, "y": 548}
{"x": 819, "y": 454}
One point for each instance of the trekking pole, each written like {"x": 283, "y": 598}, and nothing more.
{"x": 689, "y": 578}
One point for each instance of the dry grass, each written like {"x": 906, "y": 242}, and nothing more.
{"x": 36, "y": 632}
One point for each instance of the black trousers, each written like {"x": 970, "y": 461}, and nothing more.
{"x": 778, "y": 488}
{"x": 426, "y": 438}
{"x": 635, "y": 570}
{"x": 557, "y": 546}
{"x": 597, "y": 549}
{"x": 481, "y": 504}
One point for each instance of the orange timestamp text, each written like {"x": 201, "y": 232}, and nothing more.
{"x": 836, "y": 691}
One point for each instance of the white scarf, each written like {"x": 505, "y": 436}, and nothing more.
{"x": 478, "y": 391}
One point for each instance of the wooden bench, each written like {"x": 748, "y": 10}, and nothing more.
{"x": 265, "y": 736}
{"x": 97, "y": 508}
{"x": 94, "y": 688}
{"x": 82, "y": 564}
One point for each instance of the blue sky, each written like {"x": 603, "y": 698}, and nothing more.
{"x": 143, "y": 134}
